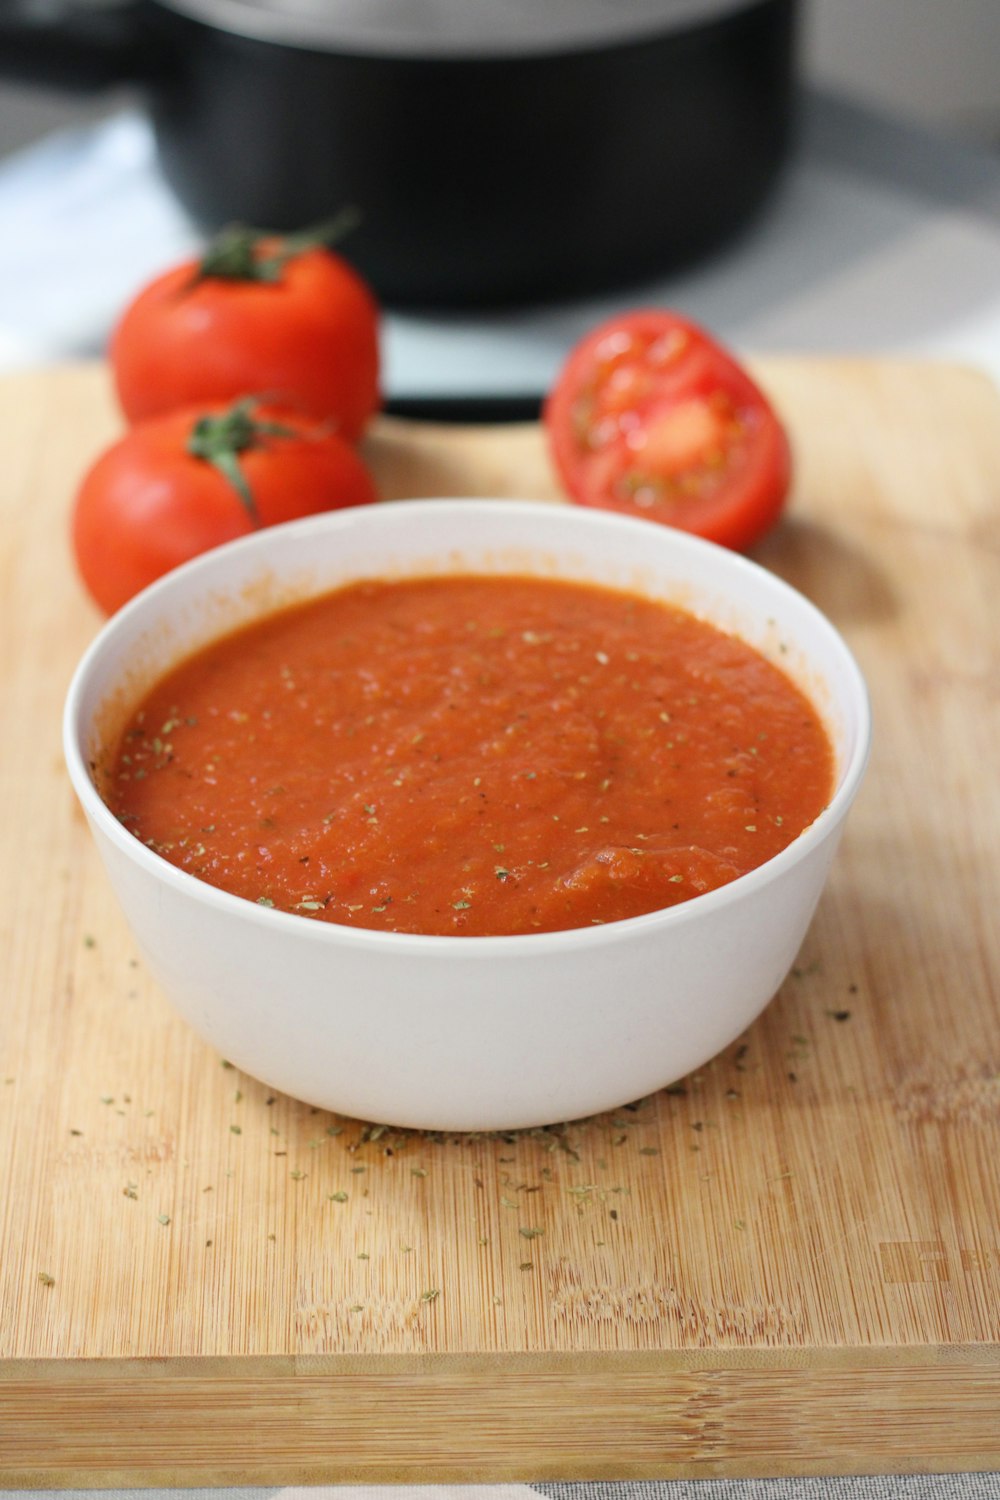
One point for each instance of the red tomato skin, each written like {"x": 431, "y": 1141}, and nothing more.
{"x": 146, "y": 505}
{"x": 753, "y": 498}
{"x": 308, "y": 341}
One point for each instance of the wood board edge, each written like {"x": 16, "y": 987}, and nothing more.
{"x": 113, "y": 1431}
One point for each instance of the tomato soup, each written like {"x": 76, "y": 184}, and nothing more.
{"x": 472, "y": 756}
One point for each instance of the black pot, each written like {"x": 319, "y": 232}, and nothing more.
{"x": 586, "y": 150}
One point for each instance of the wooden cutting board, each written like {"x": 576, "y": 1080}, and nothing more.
{"x": 788, "y": 1265}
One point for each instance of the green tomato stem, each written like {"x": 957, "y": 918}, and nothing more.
{"x": 234, "y": 253}
{"x": 219, "y": 441}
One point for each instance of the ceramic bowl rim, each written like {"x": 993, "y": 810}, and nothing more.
{"x": 489, "y": 949}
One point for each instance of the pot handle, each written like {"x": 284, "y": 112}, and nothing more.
{"x": 78, "y": 45}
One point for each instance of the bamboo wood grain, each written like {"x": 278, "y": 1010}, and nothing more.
{"x": 791, "y": 1265}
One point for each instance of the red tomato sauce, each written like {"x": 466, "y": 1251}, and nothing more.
{"x": 472, "y": 756}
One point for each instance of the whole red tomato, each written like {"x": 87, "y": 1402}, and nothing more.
{"x": 285, "y": 317}
{"x": 652, "y": 417}
{"x": 176, "y": 485}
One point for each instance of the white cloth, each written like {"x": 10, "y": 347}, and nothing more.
{"x": 86, "y": 219}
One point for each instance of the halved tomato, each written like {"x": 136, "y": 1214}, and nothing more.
{"x": 652, "y": 417}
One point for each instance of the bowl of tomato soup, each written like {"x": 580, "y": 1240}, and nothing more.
{"x": 468, "y": 814}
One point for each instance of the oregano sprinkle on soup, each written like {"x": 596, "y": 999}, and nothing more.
{"x": 472, "y": 756}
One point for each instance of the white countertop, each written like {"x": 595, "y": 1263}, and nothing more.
{"x": 879, "y": 239}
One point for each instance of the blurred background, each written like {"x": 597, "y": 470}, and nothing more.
{"x": 883, "y": 233}
{"x": 927, "y": 61}
{"x": 931, "y": 62}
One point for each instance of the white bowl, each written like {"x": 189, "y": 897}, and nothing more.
{"x": 466, "y": 1033}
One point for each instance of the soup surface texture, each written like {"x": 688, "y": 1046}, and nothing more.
{"x": 472, "y": 756}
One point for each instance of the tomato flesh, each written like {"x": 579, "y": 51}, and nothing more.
{"x": 653, "y": 418}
